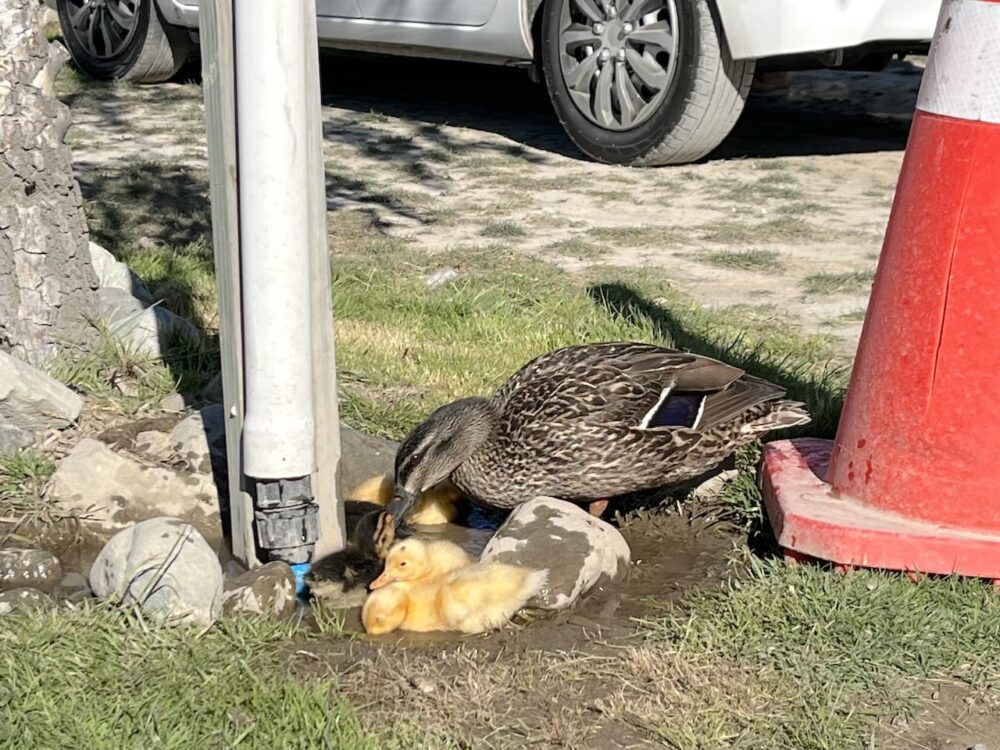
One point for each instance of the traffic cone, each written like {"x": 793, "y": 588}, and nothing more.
{"x": 912, "y": 480}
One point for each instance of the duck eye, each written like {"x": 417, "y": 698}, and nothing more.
{"x": 403, "y": 564}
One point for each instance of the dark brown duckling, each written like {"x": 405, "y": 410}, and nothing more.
{"x": 341, "y": 579}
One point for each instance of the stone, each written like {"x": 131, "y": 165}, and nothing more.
{"x": 31, "y": 400}
{"x": 577, "y": 549}
{"x": 109, "y": 491}
{"x": 267, "y": 590}
{"x": 212, "y": 392}
{"x": 154, "y": 443}
{"x": 440, "y": 278}
{"x": 200, "y": 440}
{"x": 73, "y": 587}
{"x": 164, "y": 566}
{"x": 13, "y": 438}
{"x": 23, "y": 599}
{"x": 175, "y": 402}
{"x": 364, "y": 457}
{"x": 146, "y": 329}
{"x": 29, "y": 568}
{"x": 114, "y": 274}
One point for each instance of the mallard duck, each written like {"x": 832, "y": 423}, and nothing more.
{"x": 471, "y": 599}
{"x": 342, "y": 579}
{"x": 434, "y": 507}
{"x": 415, "y": 561}
{"x": 589, "y": 422}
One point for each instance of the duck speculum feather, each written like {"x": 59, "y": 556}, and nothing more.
{"x": 592, "y": 421}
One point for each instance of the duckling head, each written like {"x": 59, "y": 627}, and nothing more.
{"x": 438, "y": 446}
{"x": 407, "y": 560}
{"x": 384, "y": 610}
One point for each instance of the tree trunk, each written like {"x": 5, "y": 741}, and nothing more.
{"x": 47, "y": 284}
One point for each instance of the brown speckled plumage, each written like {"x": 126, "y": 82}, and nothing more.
{"x": 570, "y": 424}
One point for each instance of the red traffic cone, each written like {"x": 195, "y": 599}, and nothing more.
{"x": 912, "y": 481}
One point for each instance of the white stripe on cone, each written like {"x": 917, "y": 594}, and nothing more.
{"x": 962, "y": 78}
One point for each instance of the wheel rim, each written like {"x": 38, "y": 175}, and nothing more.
{"x": 103, "y": 27}
{"x": 618, "y": 58}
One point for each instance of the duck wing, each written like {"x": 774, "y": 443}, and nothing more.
{"x": 617, "y": 383}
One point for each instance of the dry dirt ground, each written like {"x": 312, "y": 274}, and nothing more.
{"x": 784, "y": 222}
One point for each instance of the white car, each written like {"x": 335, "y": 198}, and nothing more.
{"x": 640, "y": 82}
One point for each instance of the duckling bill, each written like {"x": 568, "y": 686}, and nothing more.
{"x": 589, "y": 422}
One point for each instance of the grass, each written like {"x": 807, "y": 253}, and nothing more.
{"x": 825, "y": 656}
{"x": 96, "y": 678}
{"x": 783, "y": 229}
{"x": 745, "y": 260}
{"x": 576, "y": 247}
{"x": 845, "y": 282}
{"x": 23, "y": 476}
{"x": 640, "y": 236}
{"x": 503, "y": 230}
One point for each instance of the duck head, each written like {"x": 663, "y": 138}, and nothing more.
{"x": 406, "y": 561}
{"x": 384, "y": 610}
{"x": 438, "y": 446}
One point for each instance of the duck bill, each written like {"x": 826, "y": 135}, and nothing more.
{"x": 383, "y": 580}
{"x": 401, "y": 503}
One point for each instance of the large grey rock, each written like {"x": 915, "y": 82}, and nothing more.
{"x": 146, "y": 329}
{"x": 267, "y": 590}
{"x": 363, "y": 457}
{"x": 23, "y": 599}
{"x": 577, "y": 549}
{"x": 110, "y": 491}
{"x": 114, "y": 274}
{"x": 200, "y": 440}
{"x": 29, "y": 568}
{"x": 165, "y": 566}
{"x": 31, "y": 400}
{"x": 13, "y": 438}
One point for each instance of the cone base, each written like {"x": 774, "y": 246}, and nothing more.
{"x": 810, "y": 520}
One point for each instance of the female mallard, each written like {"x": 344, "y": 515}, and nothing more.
{"x": 589, "y": 422}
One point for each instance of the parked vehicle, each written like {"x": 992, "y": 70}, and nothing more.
{"x": 640, "y": 82}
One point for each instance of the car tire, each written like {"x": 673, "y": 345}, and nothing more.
{"x": 684, "y": 120}
{"x": 125, "y": 39}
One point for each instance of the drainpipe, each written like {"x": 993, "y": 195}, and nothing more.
{"x": 279, "y": 448}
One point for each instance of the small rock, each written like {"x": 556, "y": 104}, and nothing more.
{"x": 978, "y": 746}
{"x": 147, "y": 329}
{"x": 267, "y": 590}
{"x": 712, "y": 488}
{"x": 577, "y": 549}
{"x": 146, "y": 242}
{"x": 73, "y": 587}
{"x": 154, "y": 443}
{"x": 29, "y": 568}
{"x": 423, "y": 684}
{"x": 364, "y": 457}
{"x": 113, "y": 274}
{"x": 441, "y": 277}
{"x": 110, "y": 491}
{"x": 13, "y": 438}
{"x": 200, "y": 440}
{"x": 173, "y": 403}
{"x": 212, "y": 392}
{"x": 165, "y": 566}
{"x": 23, "y": 599}
{"x": 31, "y": 400}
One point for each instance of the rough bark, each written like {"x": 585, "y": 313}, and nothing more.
{"x": 47, "y": 285}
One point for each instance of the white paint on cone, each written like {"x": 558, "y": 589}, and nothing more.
{"x": 962, "y": 78}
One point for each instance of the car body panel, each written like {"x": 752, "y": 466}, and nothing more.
{"x": 797, "y": 26}
{"x": 500, "y": 30}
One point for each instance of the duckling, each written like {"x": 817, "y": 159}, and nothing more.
{"x": 416, "y": 561}
{"x": 342, "y": 579}
{"x": 472, "y": 599}
{"x": 434, "y": 507}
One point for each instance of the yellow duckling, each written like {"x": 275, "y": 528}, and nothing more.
{"x": 471, "y": 599}
{"x": 436, "y": 506}
{"x": 416, "y": 561}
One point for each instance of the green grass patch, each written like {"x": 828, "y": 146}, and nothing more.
{"x": 847, "y": 282}
{"x": 650, "y": 235}
{"x": 95, "y": 678}
{"x": 782, "y": 229}
{"x": 827, "y": 655}
{"x": 23, "y": 476}
{"x": 745, "y": 260}
{"x": 576, "y": 247}
{"x": 503, "y": 230}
